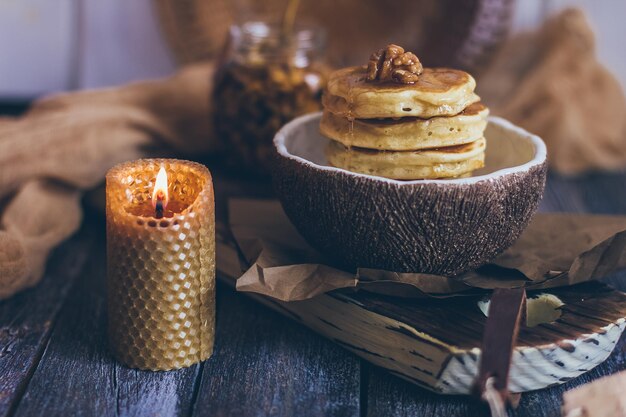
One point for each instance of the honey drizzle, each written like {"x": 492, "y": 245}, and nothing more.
{"x": 350, "y": 117}
{"x": 289, "y": 18}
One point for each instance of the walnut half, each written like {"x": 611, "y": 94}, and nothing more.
{"x": 393, "y": 64}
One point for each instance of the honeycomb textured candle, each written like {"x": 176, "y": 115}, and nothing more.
{"x": 161, "y": 272}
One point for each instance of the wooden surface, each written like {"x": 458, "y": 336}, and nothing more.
{"x": 432, "y": 342}
{"x": 54, "y": 358}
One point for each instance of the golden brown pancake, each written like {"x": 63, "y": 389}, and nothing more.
{"x": 407, "y": 133}
{"x": 438, "y": 92}
{"x": 448, "y": 162}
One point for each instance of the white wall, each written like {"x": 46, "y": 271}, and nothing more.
{"x": 37, "y": 47}
{"x": 55, "y": 45}
{"x": 121, "y": 42}
{"x": 52, "y": 45}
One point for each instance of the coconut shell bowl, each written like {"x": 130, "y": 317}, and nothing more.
{"x": 442, "y": 227}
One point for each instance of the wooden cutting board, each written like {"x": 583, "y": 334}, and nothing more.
{"x": 435, "y": 343}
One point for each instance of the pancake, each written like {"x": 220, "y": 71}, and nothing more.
{"x": 407, "y": 133}
{"x": 448, "y": 162}
{"x": 438, "y": 92}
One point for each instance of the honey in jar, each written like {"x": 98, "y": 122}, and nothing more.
{"x": 265, "y": 80}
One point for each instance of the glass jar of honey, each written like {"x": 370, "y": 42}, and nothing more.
{"x": 265, "y": 79}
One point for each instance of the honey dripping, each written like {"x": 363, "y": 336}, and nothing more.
{"x": 289, "y": 18}
{"x": 350, "y": 117}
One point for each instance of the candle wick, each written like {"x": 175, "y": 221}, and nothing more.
{"x": 158, "y": 209}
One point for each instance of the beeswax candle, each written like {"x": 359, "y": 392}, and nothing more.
{"x": 161, "y": 263}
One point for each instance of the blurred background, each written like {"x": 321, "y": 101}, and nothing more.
{"x": 59, "y": 45}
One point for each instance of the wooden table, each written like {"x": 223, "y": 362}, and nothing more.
{"x": 54, "y": 358}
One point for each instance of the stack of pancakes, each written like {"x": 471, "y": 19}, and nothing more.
{"x": 432, "y": 128}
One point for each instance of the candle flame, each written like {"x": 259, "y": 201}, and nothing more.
{"x": 160, "y": 189}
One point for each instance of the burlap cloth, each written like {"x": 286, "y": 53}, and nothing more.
{"x": 66, "y": 143}
{"x": 549, "y": 82}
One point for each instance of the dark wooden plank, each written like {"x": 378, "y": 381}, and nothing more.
{"x": 595, "y": 193}
{"x": 604, "y": 193}
{"x": 563, "y": 194}
{"x": 78, "y": 376}
{"x": 390, "y": 396}
{"x": 13, "y": 107}
{"x": 27, "y": 318}
{"x": 143, "y": 393}
{"x": 265, "y": 364}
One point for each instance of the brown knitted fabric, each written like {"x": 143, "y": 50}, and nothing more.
{"x": 66, "y": 143}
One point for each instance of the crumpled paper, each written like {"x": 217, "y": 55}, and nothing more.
{"x": 555, "y": 250}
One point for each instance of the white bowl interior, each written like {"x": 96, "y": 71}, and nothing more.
{"x": 509, "y": 148}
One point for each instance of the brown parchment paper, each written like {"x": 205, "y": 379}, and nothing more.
{"x": 555, "y": 250}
